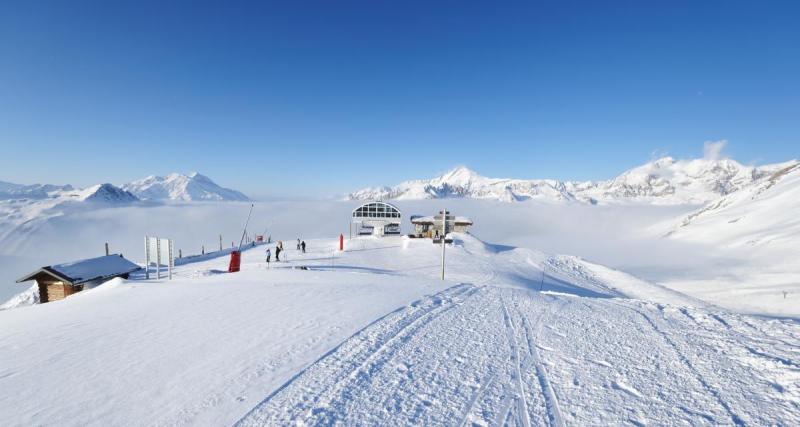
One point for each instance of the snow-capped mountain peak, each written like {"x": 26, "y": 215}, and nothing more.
{"x": 662, "y": 181}
{"x": 176, "y": 186}
{"x": 106, "y": 193}
{"x": 460, "y": 176}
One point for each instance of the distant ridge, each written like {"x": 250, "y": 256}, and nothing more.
{"x": 175, "y": 186}
{"x": 662, "y": 181}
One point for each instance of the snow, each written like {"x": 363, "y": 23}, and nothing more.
{"x": 358, "y": 338}
{"x": 26, "y": 298}
{"x": 175, "y": 186}
{"x": 611, "y": 235}
{"x": 762, "y": 214}
{"x": 662, "y": 181}
{"x": 90, "y": 269}
{"x": 760, "y": 225}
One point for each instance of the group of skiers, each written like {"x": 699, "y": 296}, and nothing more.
{"x": 301, "y": 246}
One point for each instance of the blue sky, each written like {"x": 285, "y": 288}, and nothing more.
{"x": 324, "y": 97}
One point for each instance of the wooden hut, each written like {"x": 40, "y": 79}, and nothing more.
{"x": 62, "y": 280}
{"x": 431, "y": 226}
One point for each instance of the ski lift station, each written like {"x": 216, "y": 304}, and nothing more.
{"x": 377, "y": 219}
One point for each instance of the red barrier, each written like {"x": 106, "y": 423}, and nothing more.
{"x": 341, "y": 242}
{"x": 236, "y": 260}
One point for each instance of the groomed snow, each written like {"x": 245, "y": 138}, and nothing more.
{"x": 372, "y": 335}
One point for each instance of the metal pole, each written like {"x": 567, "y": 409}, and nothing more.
{"x": 220, "y": 242}
{"x": 244, "y": 232}
{"x": 106, "y": 248}
{"x": 170, "y": 259}
{"x": 444, "y": 235}
{"x": 146, "y": 257}
{"x": 158, "y": 258}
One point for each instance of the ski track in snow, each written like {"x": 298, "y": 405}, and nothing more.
{"x": 504, "y": 344}
{"x": 490, "y": 354}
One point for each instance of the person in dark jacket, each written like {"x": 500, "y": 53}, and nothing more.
{"x": 277, "y": 253}
{"x": 303, "y": 246}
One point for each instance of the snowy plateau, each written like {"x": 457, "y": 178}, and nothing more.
{"x": 678, "y": 305}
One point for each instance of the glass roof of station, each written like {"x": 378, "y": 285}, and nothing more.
{"x": 376, "y": 210}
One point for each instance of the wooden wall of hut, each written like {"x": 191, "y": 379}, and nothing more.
{"x": 54, "y": 290}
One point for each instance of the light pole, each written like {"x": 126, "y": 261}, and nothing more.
{"x": 444, "y": 235}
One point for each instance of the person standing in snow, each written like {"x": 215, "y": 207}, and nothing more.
{"x": 269, "y": 256}
{"x": 278, "y": 252}
{"x": 298, "y": 243}
{"x": 303, "y": 246}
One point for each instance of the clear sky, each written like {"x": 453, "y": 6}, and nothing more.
{"x": 325, "y": 97}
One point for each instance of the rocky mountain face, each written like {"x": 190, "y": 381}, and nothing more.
{"x": 175, "y": 186}
{"x": 662, "y": 181}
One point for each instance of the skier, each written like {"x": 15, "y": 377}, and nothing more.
{"x": 298, "y": 244}
{"x": 269, "y": 255}
{"x": 278, "y": 252}
{"x": 303, "y": 246}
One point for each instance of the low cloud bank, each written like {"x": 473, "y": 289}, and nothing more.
{"x": 610, "y": 235}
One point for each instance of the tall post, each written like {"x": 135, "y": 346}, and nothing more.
{"x": 171, "y": 259}
{"x": 244, "y": 232}
{"x": 106, "y": 248}
{"x": 158, "y": 258}
{"x": 146, "y": 257}
{"x": 444, "y": 235}
{"x": 220, "y": 242}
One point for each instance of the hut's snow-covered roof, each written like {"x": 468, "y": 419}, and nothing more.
{"x": 87, "y": 270}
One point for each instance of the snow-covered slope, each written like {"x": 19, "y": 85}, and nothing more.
{"x": 513, "y": 337}
{"x": 23, "y": 299}
{"x": 175, "y": 186}
{"x": 35, "y": 191}
{"x": 662, "y": 181}
{"x": 27, "y": 210}
{"x": 760, "y": 214}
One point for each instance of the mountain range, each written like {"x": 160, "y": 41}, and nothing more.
{"x": 26, "y": 207}
{"x": 760, "y": 214}
{"x": 187, "y": 188}
{"x": 662, "y": 181}
{"x": 175, "y": 186}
